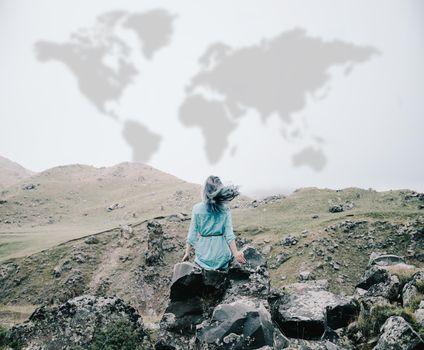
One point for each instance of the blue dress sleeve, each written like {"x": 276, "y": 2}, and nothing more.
{"x": 228, "y": 225}
{"x": 192, "y": 231}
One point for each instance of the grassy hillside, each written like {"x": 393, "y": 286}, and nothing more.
{"x": 298, "y": 234}
{"x": 71, "y": 201}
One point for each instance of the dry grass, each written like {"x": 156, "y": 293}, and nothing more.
{"x": 403, "y": 271}
{"x": 14, "y": 314}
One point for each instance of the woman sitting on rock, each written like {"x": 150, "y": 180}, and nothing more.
{"x": 211, "y": 230}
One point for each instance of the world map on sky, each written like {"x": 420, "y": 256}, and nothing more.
{"x": 272, "y": 77}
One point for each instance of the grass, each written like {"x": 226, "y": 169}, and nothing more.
{"x": 404, "y": 272}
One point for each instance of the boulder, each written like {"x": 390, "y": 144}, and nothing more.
{"x": 242, "y": 324}
{"x": 385, "y": 259}
{"x": 410, "y": 290}
{"x": 75, "y": 323}
{"x": 389, "y": 289}
{"x": 419, "y": 314}
{"x": 373, "y": 275}
{"x": 306, "y": 310}
{"x": 378, "y": 282}
{"x": 397, "y": 334}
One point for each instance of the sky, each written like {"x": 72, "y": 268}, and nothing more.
{"x": 346, "y": 110}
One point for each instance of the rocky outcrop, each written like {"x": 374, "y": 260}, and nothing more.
{"x": 219, "y": 309}
{"x": 154, "y": 251}
{"x": 235, "y": 309}
{"x": 386, "y": 293}
{"x": 76, "y": 323}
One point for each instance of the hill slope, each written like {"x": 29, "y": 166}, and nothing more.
{"x": 71, "y": 201}
{"x": 11, "y": 173}
{"x": 301, "y": 238}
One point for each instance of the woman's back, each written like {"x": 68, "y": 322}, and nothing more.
{"x": 210, "y": 234}
{"x": 210, "y": 223}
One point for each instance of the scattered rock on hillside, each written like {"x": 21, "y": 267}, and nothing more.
{"x": 257, "y": 202}
{"x": 126, "y": 231}
{"x": 115, "y": 206}
{"x": 30, "y": 186}
{"x": 336, "y": 208}
{"x": 91, "y": 240}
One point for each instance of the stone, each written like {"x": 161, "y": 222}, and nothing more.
{"x": 337, "y": 208}
{"x": 198, "y": 297}
{"x": 242, "y": 324}
{"x": 419, "y": 314}
{"x": 74, "y": 323}
{"x": 410, "y": 290}
{"x": 126, "y": 231}
{"x": 385, "y": 259}
{"x": 389, "y": 289}
{"x": 154, "y": 253}
{"x": 398, "y": 334}
{"x": 115, "y": 206}
{"x": 91, "y": 240}
{"x": 289, "y": 241}
{"x": 306, "y": 310}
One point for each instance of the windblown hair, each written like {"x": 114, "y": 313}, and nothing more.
{"x": 215, "y": 195}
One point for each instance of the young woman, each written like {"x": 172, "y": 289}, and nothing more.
{"x": 211, "y": 230}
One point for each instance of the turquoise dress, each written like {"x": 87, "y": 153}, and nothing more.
{"x": 211, "y": 252}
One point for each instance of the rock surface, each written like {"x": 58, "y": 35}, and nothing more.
{"x": 154, "y": 251}
{"x": 398, "y": 335}
{"x": 74, "y": 323}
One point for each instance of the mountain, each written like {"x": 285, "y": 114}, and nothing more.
{"x": 70, "y": 201}
{"x": 11, "y": 173}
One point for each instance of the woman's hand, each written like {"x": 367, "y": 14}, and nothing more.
{"x": 186, "y": 257}
{"x": 240, "y": 257}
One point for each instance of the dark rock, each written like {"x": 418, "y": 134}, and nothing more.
{"x": 306, "y": 310}
{"x": 91, "y": 240}
{"x": 199, "y": 297}
{"x": 154, "y": 253}
{"x": 338, "y": 208}
{"x": 30, "y": 186}
{"x": 74, "y": 323}
{"x": 242, "y": 324}
{"x": 289, "y": 241}
{"x": 373, "y": 276}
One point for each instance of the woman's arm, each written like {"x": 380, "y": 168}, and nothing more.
{"x": 238, "y": 255}
{"x": 191, "y": 236}
{"x": 231, "y": 239}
